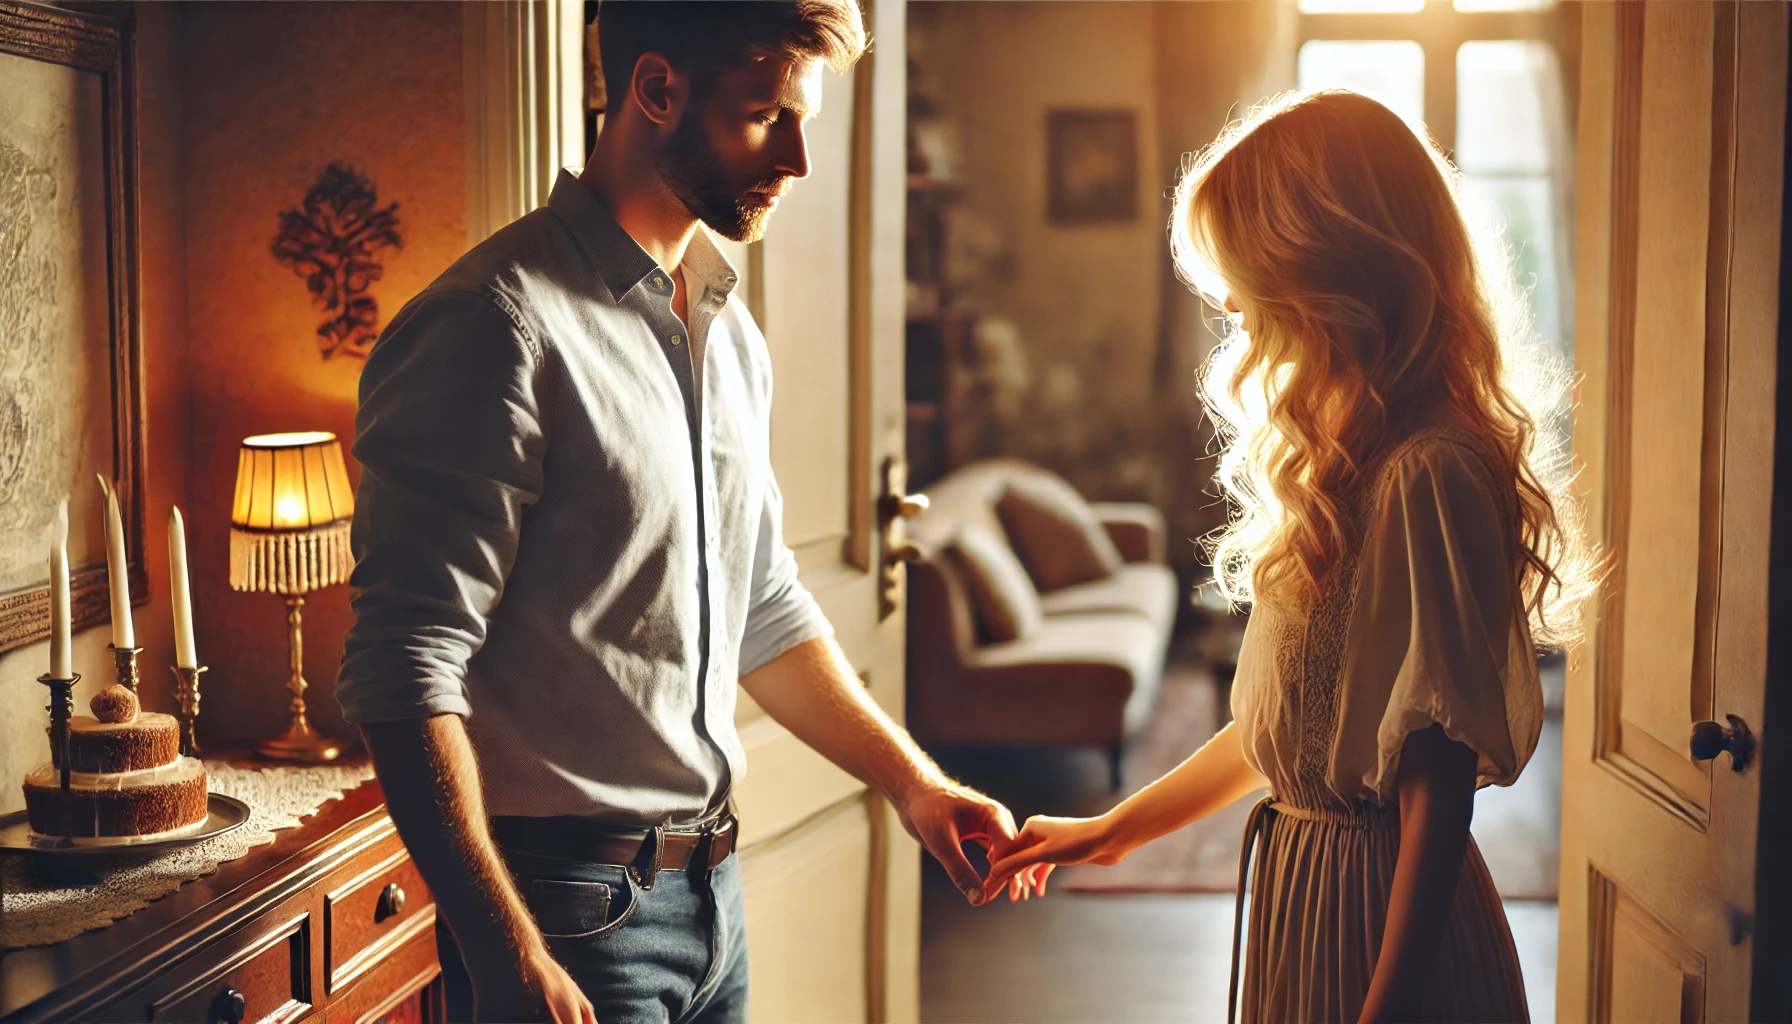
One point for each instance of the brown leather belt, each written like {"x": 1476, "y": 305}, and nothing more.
{"x": 645, "y": 852}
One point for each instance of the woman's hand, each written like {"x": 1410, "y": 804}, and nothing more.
{"x": 1047, "y": 842}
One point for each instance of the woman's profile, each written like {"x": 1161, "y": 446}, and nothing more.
{"x": 1402, "y": 530}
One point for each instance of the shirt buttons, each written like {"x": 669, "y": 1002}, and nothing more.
{"x": 658, "y": 281}
{"x": 678, "y": 339}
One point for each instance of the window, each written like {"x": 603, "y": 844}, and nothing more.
{"x": 1485, "y": 78}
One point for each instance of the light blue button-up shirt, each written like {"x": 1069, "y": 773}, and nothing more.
{"x": 567, "y": 528}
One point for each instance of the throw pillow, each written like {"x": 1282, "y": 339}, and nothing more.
{"x": 1007, "y": 605}
{"x": 1055, "y": 533}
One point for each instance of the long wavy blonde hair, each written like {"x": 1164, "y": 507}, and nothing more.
{"x": 1339, "y": 233}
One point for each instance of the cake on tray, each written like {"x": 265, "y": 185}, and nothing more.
{"x": 128, "y": 782}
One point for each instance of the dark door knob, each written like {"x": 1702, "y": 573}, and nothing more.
{"x": 391, "y": 902}
{"x": 228, "y": 1007}
{"x": 1710, "y": 739}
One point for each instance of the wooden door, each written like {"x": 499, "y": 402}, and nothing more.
{"x": 1682, "y": 119}
{"x": 832, "y": 881}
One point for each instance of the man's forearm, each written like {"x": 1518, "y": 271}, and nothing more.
{"x": 812, "y": 691}
{"x": 431, "y": 781}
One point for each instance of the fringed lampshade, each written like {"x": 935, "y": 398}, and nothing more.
{"x": 289, "y": 536}
{"x": 289, "y": 528}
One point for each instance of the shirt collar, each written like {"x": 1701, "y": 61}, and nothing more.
{"x": 619, "y": 259}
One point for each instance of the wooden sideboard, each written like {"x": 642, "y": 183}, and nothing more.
{"x": 329, "y": 923}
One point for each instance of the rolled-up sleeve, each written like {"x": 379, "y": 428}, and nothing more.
{"x": 780, "y": 611}
{"x": 450, "y": 439}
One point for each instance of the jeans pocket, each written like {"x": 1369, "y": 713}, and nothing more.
{"x": 576, "y": 910}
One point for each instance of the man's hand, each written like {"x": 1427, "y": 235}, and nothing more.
{"x": 537, "y": 990}
{"x": 943, "y": 815}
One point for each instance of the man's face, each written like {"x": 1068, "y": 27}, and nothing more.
{"x": 731, "y": 158}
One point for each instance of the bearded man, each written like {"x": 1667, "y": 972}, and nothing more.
{"x": 569, "y": 550}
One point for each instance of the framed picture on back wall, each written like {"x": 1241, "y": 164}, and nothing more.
{"x": 69, "y": 363}
{"x": 1092, "y": 166}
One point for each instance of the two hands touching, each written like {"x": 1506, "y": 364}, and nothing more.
{"x": 947, "y": 816}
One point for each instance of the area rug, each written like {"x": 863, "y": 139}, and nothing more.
{"x": 1202, "y": 857}
{"x": 1517, "y": 829}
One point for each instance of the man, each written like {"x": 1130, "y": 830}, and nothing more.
{"x": 569, "y": 551}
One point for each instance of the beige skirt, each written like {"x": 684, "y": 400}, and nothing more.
{"x": 1319, "y": 900}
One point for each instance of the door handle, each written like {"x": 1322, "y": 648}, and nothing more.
{"x": 1710, "y": 739}
{"x": 894, "y": 507}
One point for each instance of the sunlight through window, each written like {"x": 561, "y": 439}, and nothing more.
{"x": 1478, "y": 6}
{"x": 1362, "y": 6}
{"x": 1389, "y": 71}
{"x": 1506, "y": 91}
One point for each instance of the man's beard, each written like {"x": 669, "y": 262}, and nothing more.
{"x": 688, "y": 164}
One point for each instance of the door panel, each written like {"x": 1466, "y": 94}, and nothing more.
{"x": 1681, "y": 133}
{"x": 805, "y": 316}
{"x": 832, "y": 880}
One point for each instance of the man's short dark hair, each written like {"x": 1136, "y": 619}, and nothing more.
{"x": 703, "y": 38}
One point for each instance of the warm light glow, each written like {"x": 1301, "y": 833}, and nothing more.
{"x": 1477, "y": 6}
{"x": 289, "y": 511}
{"x": 293, "y": 439}
{"x": 1362, "y": 6}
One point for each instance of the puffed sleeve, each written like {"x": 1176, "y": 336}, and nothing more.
{"x": 1438, "y": 633}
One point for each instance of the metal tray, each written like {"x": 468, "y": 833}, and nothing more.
{"x": 227, "y": 814}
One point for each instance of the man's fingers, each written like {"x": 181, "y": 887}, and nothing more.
{"x": 946, "y": 850}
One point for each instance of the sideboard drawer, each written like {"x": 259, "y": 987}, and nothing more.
{"x": 368, "y": 916}
{"x": 266, "y": 979}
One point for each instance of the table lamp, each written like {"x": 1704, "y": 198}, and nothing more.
{"x": 289, "y": 536}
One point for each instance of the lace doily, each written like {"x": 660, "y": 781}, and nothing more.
{"x": 278, "y": 797}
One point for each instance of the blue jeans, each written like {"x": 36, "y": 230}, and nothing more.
{"x": 674, "y": 953}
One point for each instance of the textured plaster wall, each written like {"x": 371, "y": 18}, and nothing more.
{"x": 274, "y": 92}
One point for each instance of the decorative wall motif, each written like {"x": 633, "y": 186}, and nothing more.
{"x": 332, "y": 241}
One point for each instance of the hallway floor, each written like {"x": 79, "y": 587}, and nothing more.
{"x": 1121, "y": 958}
{"x": 1075, "y": 957}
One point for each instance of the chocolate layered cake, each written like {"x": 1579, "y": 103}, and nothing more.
{"x": 128, "y": 781}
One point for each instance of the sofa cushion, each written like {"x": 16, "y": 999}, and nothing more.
{"x": 1006, "y": 603}
{"x": 1085, "y": 649}
{"x": 1055, "y": 533}
{"x": 1142, "y": 588}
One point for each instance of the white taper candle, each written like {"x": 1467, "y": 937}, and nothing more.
{"x": 118, "y": 571}
{"x": 61, "y": 627}
{"x": 185, "y": 653}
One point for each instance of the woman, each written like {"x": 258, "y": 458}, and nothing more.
{"x": 1404, "y": 538}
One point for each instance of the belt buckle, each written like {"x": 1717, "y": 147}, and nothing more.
{"x": 705, "y": 851}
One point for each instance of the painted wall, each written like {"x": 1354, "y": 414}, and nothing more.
{"x": 1083, "y": 298}
{"x": 274, "y": 93}
{"x": 1110, "y": 340}
{"x": 241, "y": 106}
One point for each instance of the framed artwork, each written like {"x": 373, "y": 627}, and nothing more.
{"x": 69, "y": 352}
{"x": 1092, "y": 166}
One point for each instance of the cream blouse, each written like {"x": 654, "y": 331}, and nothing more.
{"x": 1424, "y": 625}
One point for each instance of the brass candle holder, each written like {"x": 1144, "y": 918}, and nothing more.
{"x": 61, "y": 708}
{"x": 186, "y": 695}
{"x": 125, "y": 658}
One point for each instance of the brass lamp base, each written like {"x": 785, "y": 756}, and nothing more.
{"x": 300, "y": 742}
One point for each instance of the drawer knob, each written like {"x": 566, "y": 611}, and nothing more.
{"x": 228, "y": 1007}
{"x": 391, "y": 902}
